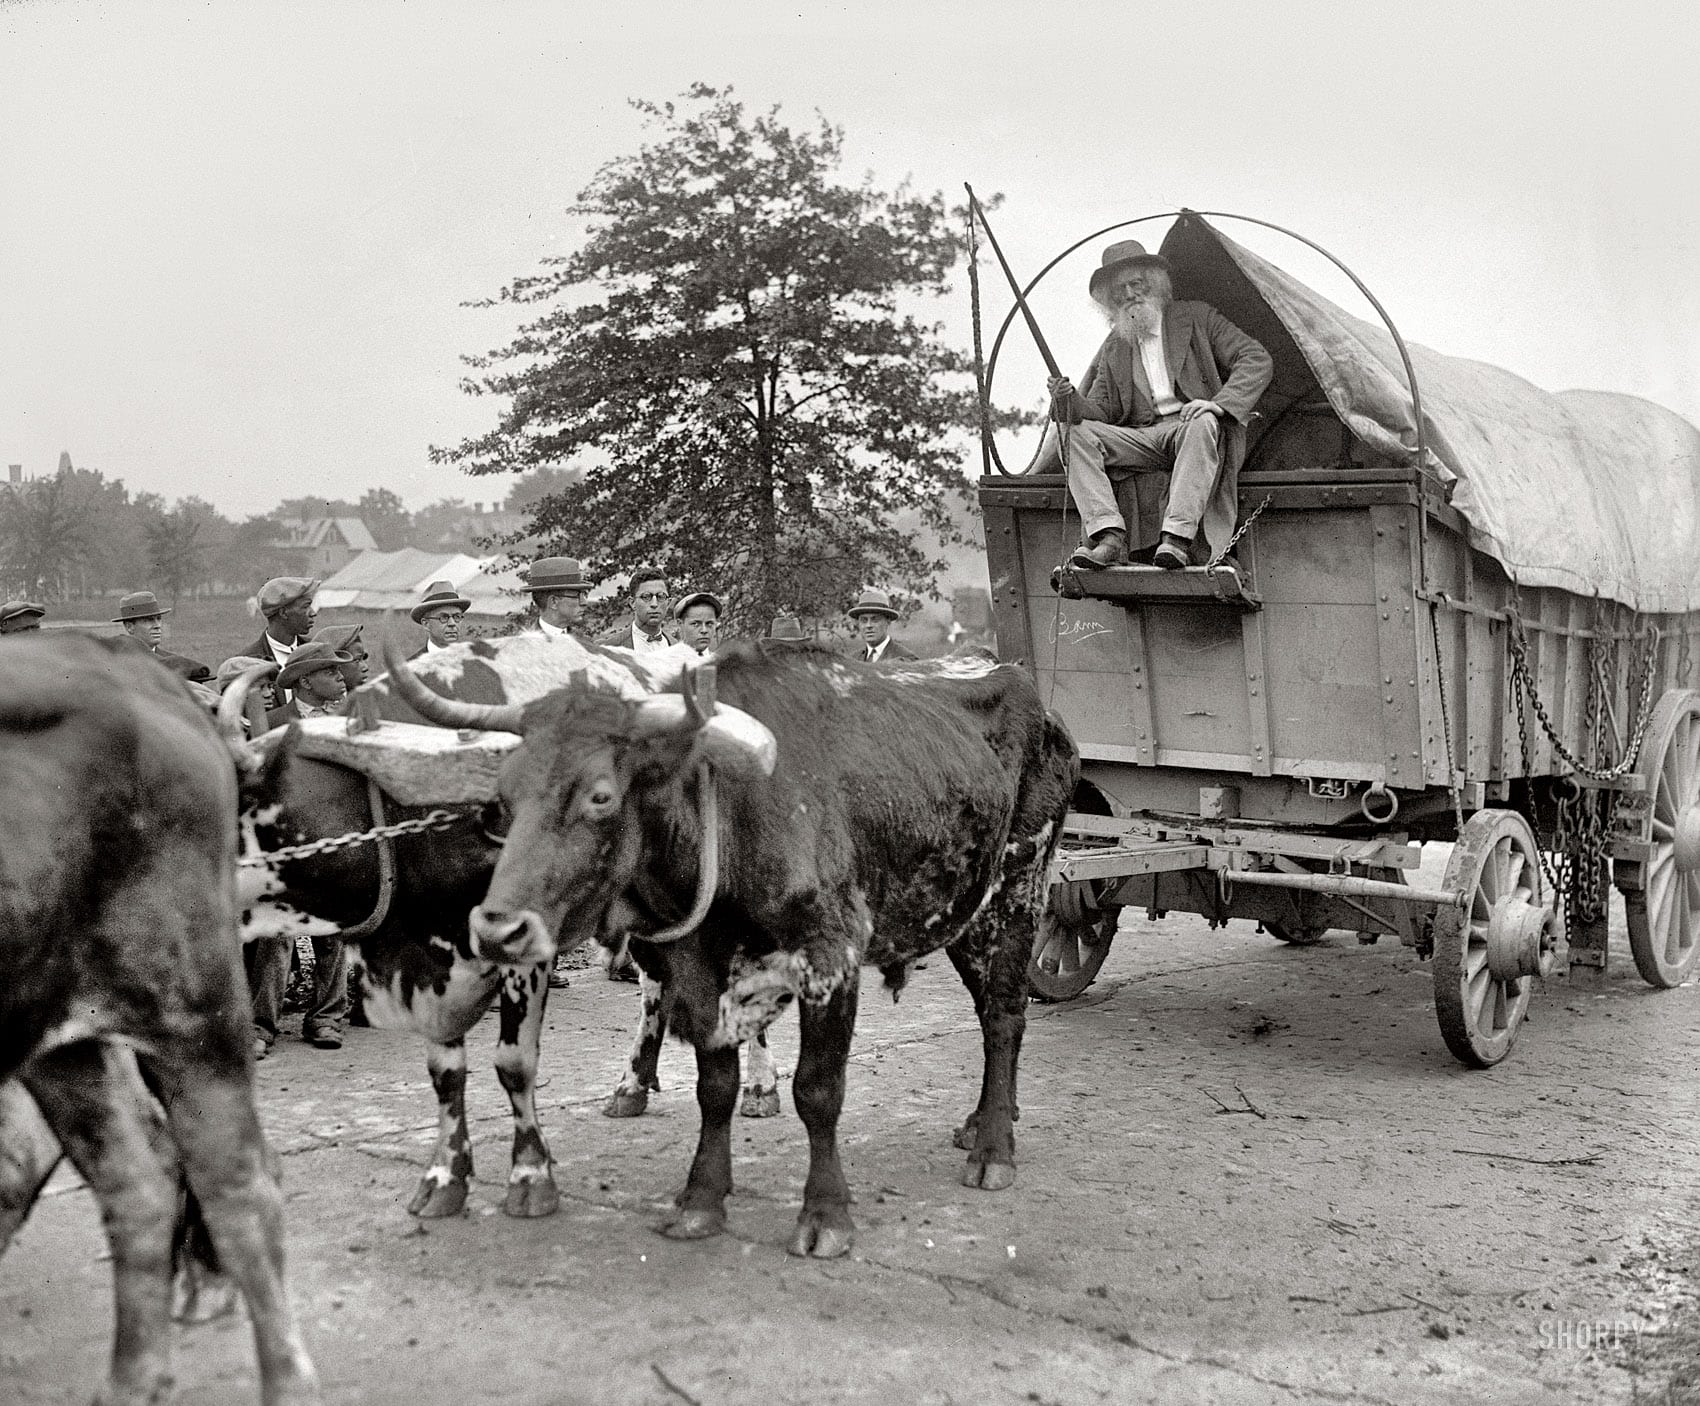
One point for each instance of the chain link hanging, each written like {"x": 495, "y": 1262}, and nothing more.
{"x": 435, "y": 820}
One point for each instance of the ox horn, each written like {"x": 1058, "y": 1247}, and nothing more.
{"x": 730, "y": 735}
{"x": 448, "y": 712}
{"x": 232, "y": 705}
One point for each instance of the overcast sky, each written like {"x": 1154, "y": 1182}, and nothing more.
{"x": 235, "y": 238}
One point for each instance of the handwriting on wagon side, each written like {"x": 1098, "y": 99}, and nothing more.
{"x": 1077, "y": 631}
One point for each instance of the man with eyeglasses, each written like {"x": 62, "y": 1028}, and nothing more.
{"x": 647, "y": 633}
{"x": 439, "y": 611}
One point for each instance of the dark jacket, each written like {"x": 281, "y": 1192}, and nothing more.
{"x": 893, "y": 650}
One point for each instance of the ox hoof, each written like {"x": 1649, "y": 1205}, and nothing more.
{"x": 822, "y": 1235}
{"x": 693, "y": 1225}
{"x": 989, "y": 1176}
{"x": 760, "y": 1103}
{"x": 198, "y": 1295}
{"x": 622, "y": 1104}
{"x": 434, "y": 1201}
{"x": 532, "y": 1198}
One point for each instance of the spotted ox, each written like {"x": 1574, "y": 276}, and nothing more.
{"x": 869, "y": 816}
{"x": 123, "y": 1015}
{"x": 419, "y": 969}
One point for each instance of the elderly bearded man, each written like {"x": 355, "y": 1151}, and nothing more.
{"x": 1171, "y": 391}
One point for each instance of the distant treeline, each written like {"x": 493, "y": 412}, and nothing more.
{"x": 78, "y": 533}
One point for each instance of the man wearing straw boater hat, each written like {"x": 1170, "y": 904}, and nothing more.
{"x": 558, "y": 586}
{"x": 20, "y": 616}
{"x": 143, "y": 619}
{"x": 439, "y": 611}
{"x": 872, "y": 615}
{"x": 1169, "y": 393}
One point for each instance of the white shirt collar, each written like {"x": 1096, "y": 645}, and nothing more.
{"x": 553, "y": 631}
{"x": 641, "y": 644}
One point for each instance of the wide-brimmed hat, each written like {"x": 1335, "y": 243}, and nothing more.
{"x": 557, "y": 574}
{"x": 342, "y": 638}
{"x": 281, "y": 592}
{"x": 438, "y": 594}
{"x": 14, "y": 609}
{"x": 309, "y": 659}
{"x": 237, "y": 665}
{"x": 787, "y": 629}
{"x": 139, "y": 605}
{"x": 872, "y": 602}
{"x": 699, "y": 598}
{"x": 1120, "y": 255}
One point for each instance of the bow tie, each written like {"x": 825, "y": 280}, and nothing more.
{"x": 654, "y": 639}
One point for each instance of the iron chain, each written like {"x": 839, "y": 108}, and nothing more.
{"x": 1524, "y": 685}
{"x": 1244, "y": 527}
{"x": 435, "y": 820}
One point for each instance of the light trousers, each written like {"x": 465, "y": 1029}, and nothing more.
{"x": 1101, "y": 453}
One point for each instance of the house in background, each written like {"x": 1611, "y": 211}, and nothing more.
{"x": 322, "y": 546}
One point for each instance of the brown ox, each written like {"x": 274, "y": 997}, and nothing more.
{"x": 867, "y": 815}
{"x": 118, "y": 939}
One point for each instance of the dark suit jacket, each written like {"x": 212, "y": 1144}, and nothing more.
{"x": 1209, "y": 359}
{"x": 184, "y": 667}
{"x": 623, "y": 636}
{"x": 893, "y": 650}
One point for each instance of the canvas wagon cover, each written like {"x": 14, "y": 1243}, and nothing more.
{"x": 1588, "y": 491}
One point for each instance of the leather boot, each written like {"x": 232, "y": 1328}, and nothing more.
{"x": 1172, "y": 552}
{"x": 1108, "y": 548}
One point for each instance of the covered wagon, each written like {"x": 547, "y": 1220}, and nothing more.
{"x": 1458, "y": 608}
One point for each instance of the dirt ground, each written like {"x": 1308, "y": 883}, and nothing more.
{"x": 1248, "y": 1174}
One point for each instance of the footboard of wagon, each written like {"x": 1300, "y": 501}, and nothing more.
{"x": 1268, "y": 738}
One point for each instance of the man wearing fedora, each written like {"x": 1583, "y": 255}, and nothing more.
{"x": 346, "y": 639}
{"x": 1167, "y": 398}
{"x": 19, "y": 616}
{"x": 439, "y": 611}
{"x": 697, "y": 616}
{"x": 287, "y": 604}
{"x": 558, "y": 586}
{"x": 143, "y": 619}
{"x": 316, "y": 678}
{"x": 872, "y": 615}
{"x": 647, "y": 632}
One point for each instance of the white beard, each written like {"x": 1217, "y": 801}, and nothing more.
{"x": 1139, "y": 319}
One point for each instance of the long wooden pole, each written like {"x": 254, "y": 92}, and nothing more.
{"x": 1032, "y": 324}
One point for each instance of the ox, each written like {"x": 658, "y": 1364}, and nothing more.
{"x": 873, "y": 816}
{"x": 124, "y": 986}
{"x": 418, "y": 967}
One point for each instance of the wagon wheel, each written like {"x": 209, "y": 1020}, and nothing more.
{"x": 1487, "y": 950}
{"x": 1664, "y": 916}
{"x": 1297, "y": 935}
{"x": 1073, "y": 939}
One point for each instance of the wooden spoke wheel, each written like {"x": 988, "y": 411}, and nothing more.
{"x": 1664, "y": 915}
{"x": 1073, "y": 939}
{"x": 1296, "y": 934}
{"x": 1488, "y": 951}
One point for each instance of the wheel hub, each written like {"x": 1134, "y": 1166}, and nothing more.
{"x": 1521, "y": 939}
{"x": 1687, "y": 840}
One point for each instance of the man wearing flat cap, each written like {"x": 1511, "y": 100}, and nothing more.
{"x": 697, "y": 616}
{"x": 20, "y": 616}
{"x": 143, "y": 619}
{"x": 287, "y": 604}
{"x": 439, "y": 611}
{"x": 1167, "y": 399}
{"x": 872, "y": 615}
{"x": 346, "y": 639}
{"x": 558, "y": 586}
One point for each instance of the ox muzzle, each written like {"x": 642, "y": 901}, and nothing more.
{"x": 510, "y": 939}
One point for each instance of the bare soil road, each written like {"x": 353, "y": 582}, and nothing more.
{"x": 1248, "y": 1173}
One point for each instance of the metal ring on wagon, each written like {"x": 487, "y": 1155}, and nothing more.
{"x": 1566, "y": 788}
{"x": 1377, "y": 794}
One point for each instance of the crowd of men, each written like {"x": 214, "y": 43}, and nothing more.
{"x": 314, "y": 668}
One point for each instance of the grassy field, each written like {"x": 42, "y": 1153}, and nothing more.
{"x": 214, "y": 629}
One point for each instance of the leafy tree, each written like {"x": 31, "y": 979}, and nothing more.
{"x": 538, "y": 484}
{"x": 390, "y": 524}
{"x": 729, "y": 361}
{"x": 46, "y": 532}
{"x": 179, "y": 543}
